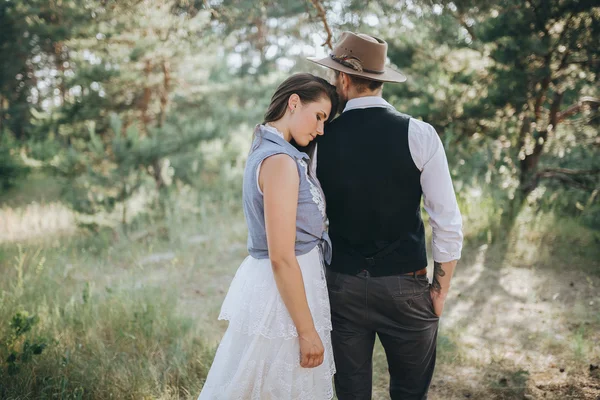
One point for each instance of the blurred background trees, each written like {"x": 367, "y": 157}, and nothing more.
{"x": 138, "y": 116}
{"x": 120, "y": 97}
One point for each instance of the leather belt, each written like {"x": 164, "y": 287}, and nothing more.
{"x": 418, "y": 273}
{"x": 374, "y": 274}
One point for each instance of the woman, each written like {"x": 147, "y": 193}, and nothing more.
{"x": 278, "y": 345}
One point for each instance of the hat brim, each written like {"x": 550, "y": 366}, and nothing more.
{"x": 388, "y": 76}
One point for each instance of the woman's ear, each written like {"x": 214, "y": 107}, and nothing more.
{"x": 293, "y": 102}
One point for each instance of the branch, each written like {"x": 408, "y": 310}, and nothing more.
{"x": 540, "y": 24}
{"x": 530, "y": 162}
{"x": 555, "y": 109}
{"x": 591, "y": 62}
{"x": 572, "y": 172}
{"x": 563, "y": 61}
{"x": 213, "y": 12}
{"x": 576, "y": 108}
{"x": 461, "y": 20}
{"x": 537, "y": 108}
{"x": 525, "y": 128}
{"x": 323, "y": 16}
{"x": 567, "y": 180}
{"x": 569, "y": 176}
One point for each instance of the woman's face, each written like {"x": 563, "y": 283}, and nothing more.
{"x": 308, "y": 120}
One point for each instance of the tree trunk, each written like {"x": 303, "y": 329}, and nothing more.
{"x": 157, "y": 174}
{"x": 1, "y": 116}
{"x": 145, "y": 102}
{"x": 164, "y": 93}
{"x": 528, "y": 181}
{"x": 59, "y": 62}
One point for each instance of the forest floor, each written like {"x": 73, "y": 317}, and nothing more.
{"x": 522, "y": 320}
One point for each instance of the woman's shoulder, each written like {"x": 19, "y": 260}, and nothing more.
{"x": 263, "y": 151}
{"x": 280, "y": 164}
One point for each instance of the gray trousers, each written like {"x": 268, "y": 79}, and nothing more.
{"x": 400, "y": 311}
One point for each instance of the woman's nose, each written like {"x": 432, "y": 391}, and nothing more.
{"x": 320, "y": 128}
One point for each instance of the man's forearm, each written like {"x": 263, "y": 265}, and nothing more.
{"x": 442, "y": 274}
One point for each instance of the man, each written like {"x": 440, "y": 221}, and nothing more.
{"x": 375, "y": 164}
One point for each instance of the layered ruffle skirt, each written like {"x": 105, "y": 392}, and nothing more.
{"x": 259, "y": 355}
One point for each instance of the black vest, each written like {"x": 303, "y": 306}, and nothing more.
{"x": 373, "y": 193}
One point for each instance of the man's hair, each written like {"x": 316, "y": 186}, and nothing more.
{"x": 362, "y": 84}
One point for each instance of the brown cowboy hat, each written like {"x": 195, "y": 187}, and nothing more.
{"x": 360, "y": 55}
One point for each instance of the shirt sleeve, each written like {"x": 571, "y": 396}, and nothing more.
{"x": 439, "y": 199}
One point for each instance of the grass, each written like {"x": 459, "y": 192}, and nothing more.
{"x": 132, "y": 314}
{"x": 105, "y": 336}
{"x": 522, "y": 314}
{"x": 114, "y": 318}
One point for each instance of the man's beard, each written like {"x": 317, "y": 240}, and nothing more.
{"x": 342, "y": 102}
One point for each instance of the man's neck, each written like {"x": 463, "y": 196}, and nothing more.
{"x": 364, "y": 95}
{"x": 356, "y": 95}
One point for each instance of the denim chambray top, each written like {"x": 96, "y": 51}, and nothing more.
{"x": 311, "y": 220}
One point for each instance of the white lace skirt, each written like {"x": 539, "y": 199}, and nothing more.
{"x": 259, "y": 355}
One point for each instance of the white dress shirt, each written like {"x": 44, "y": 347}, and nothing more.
{"x": 439, "y": 200}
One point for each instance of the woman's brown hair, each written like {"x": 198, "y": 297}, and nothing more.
{"x": 308, "y": 87}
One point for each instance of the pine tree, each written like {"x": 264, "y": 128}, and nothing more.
{"x": 515, "y": 72}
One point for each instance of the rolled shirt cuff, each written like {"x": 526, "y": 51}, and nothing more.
{"x": 442, "y": 255}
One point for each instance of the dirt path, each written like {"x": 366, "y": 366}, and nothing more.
{"x": 512, "y": 329}
{"x": 516, "y": 326}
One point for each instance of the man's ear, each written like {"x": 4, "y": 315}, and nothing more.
{"x": 345, "y": 78}
{"x": 331, "y": 76}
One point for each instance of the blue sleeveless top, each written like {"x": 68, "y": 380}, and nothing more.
{"x": 311, "y": 220}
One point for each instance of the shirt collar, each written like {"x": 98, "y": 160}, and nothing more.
{"x": 273, "y": 135}
{"x": 272, "y": 129}
{"x": 366, "y": 102}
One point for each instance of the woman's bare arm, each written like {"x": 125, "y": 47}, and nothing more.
{"x": 279, "y": 182}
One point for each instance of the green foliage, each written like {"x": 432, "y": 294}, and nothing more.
{"x": 16, "y": 347}
{"x": 90, "y": 341}
{"x": 126, "y": 95}
{"x": 121, "y": 102}
{"x": 12, "y": 170}
{"x": 147, "y": 107}
{"x": 110, "y": 170}
{"x": 33, "y": 35}
{"x": 510, "y": 87}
